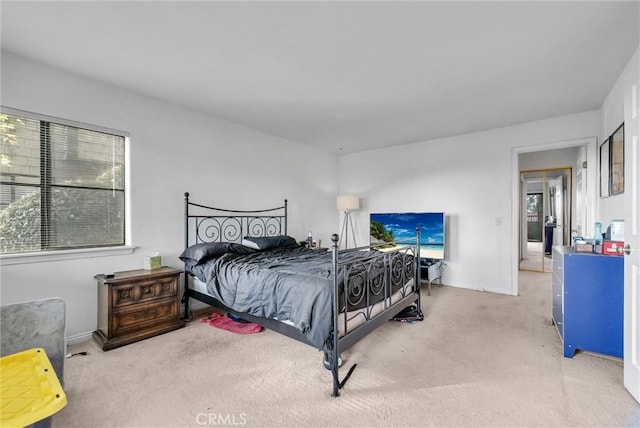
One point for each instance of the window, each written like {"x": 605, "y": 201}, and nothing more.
{"x": 62, "y": 185}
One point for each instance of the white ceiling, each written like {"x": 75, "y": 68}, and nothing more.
{"x": 342, "y": 76}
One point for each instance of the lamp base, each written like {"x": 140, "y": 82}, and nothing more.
{"x": 347, "y": 224}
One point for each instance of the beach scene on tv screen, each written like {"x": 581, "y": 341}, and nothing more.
{"x": 390, "y": 227}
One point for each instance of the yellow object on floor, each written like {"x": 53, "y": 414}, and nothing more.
{"x": 29, "y": 388}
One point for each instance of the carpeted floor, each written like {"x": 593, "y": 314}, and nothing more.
{"x": 536, "y": 260}
{"x": 478, "y": 359}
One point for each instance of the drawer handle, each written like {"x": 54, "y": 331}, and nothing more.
{"x": 146, "y": 290}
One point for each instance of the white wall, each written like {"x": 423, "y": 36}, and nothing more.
{"x": 612, "y": 116}
{"x": 469, "y": 177}
{"x": 172, "y": 150}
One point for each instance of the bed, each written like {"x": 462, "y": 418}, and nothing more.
{"x": 244, "y": 262}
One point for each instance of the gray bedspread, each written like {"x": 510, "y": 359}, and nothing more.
{"x": 293, "y": 284}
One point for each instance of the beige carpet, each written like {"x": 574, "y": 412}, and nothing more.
{"x": 478, "y": 359}
{"x": 536, "y": 261}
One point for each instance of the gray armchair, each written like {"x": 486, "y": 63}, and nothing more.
{"x": 35, "y": 324}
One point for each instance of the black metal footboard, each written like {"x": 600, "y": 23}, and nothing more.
{"x": 368, "y": 292}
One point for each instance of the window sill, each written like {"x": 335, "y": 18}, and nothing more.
{"x": 53, "y": 256}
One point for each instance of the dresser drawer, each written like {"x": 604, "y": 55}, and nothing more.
{"x": 558, "y": 263}
{"x": 143, "y": 291}
{"x": 136, "y": 317}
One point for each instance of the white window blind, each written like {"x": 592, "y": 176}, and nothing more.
{"x": 62, "y": 186}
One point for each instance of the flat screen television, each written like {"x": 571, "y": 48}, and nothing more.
{"x": 388, "y": 227}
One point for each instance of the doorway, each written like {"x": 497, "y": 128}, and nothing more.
{"x": 581, "y": 155}
{"x": 545, "y": 220}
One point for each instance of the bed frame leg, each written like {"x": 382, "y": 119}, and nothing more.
{"x": 333, "y": 363}
{"x": 185, "y": 301}
{"x": 336, "y": 381}
{"x": 337, "y": 384}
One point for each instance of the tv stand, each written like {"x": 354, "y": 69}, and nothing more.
{"x": 430, "y": 271}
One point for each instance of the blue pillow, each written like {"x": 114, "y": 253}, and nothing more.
{"x": 268, "y": 242}
{"x": 201, "y": 253}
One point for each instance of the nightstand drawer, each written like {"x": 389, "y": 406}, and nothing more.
{"x": 134, "y": 318}
{"x": 143, "y": 291}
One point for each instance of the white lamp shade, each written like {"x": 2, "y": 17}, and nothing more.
{"x": 348, "y": 203}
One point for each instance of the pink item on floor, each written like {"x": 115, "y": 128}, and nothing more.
{"x": 226, "y": 323}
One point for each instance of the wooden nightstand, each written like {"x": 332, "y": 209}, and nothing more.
{"x": 136, "y": 305}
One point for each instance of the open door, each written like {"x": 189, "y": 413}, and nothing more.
{"x": 632, "y": 239}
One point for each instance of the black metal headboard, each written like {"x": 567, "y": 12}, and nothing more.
{"x": 210, "y": 224}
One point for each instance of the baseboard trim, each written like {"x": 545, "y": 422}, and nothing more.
{"x": 79, "y": 338}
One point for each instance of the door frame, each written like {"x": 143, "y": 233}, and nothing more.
{"x": 567, "y": 209}
{"x": 590, "y": 203}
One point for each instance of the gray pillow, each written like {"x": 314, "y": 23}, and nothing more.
{"x": 201, "y": 253}
{"x": 268, "y": 242}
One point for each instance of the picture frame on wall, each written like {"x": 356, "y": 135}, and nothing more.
{"x": 604, "y": 168}
{"x": 612, "y": 164}
{"x": 617, "y": 161}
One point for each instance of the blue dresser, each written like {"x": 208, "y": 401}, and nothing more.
{"x": 588, "y": 301}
